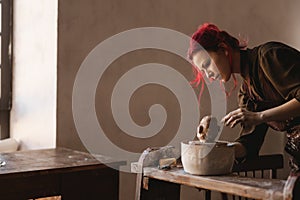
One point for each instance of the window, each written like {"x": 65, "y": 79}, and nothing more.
{"x": 5, "y": 66}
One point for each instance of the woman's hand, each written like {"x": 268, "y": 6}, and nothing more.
{"x": 247, "y": 118}
{"x": 244, "y": 117}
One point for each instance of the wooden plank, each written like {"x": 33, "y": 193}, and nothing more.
{"x": 51, "y": 161}
{"x": 74, "y": 175}
{"x": 242, "y": 186}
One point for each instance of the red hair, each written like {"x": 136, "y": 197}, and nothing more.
{"x": 209, "y": 37}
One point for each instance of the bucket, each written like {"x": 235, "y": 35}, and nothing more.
{"x": 207, "y": 158}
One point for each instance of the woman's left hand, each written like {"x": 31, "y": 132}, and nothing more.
{"x": 243, "y": 116}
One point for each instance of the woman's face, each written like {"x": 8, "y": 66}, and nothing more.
{"x": 215, "y": 65}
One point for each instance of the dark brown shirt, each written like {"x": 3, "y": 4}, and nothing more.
{"x": 271, "y": 75}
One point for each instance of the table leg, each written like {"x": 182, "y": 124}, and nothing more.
{"x": 158, "y": 189}
{"x": 207, "y": 195}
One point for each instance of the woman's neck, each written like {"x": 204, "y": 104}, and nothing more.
{"x": 236, "y": 59}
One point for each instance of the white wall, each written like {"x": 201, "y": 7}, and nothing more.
{"x": 33, "y": 116}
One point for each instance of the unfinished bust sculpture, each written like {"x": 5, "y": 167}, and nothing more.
{"x": 208, "y": 129}
{"x": 202, "y": 130}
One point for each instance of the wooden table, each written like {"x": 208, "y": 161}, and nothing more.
{"x": 49, "y": 172}
{"x": 166, "y": 184}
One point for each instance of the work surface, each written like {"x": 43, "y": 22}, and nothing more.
{"x": 242, "y": 186}
{"x": 60, "y": 171}
{"x": 59, "y": 159}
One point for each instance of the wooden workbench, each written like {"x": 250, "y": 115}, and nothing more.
{"x": 49, "y": 172}
{"x": 166, "y": 184}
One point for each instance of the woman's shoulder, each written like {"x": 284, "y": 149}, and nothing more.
{"x": 274, "y": 46}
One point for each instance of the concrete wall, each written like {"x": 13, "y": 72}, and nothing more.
{"x": 33, "y": 115}
{"x": 83, "y": 24}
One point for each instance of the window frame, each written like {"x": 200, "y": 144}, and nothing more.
{"x": 6, "y": 66}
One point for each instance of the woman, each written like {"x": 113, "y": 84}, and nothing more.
{"x": 270, "y": 92}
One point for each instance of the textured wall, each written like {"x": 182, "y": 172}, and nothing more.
{"x": 85, "y": 23}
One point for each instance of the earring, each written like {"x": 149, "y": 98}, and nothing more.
{"x": 226, "y": 52}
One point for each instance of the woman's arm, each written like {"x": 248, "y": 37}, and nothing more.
{"x": 283, "y": 112}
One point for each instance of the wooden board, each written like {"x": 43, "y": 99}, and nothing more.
{"x": 57, "y": 159}
{"x": 256, "y": 188}
{"x": 51, "y": 172}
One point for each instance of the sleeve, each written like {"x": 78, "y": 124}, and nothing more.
{"x": 281, "y": 65}
{"x": 244, "y": 100}
{"x": 253, "y": 141}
